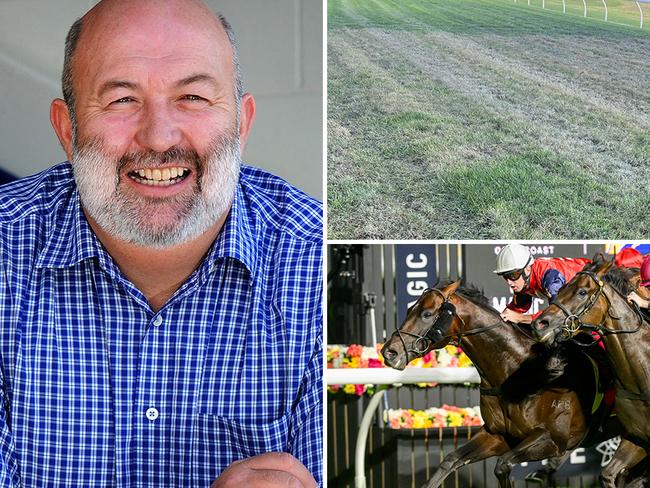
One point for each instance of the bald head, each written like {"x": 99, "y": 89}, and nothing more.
{"x": 143, "y": 22}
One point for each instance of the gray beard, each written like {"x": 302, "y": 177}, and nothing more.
{"x": 127, "y": 216}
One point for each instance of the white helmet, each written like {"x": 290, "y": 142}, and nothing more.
{"x": 512, "y": 257}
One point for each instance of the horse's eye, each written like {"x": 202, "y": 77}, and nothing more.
{"x": 426, "y": 314}
{"x": 582, "y": 293}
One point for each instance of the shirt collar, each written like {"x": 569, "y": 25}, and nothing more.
{"x": 71, "y": 239}
{"x": 239, "y": 238}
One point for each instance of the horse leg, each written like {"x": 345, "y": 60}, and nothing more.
{"x": 538, "y": 445}
{"x": 626, "y": 456}
{"x": 544, "y": 475}
{"x": 481, "y": 446}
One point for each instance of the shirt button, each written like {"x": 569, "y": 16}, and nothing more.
{"x": 152, "y": 414}
{"x": 158, "y": 321}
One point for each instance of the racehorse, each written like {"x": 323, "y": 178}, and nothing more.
{"x": 595, "y": 300}
{"x": 525, "y": 418}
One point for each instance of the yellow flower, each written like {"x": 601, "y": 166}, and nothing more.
{"x": 349, "y": 389}
{"x": 454, "y": 419}
{"x": 452, "y": 350}
{"x": 464, "y": 361}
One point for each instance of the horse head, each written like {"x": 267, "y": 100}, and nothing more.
{"x": 580, "y": 305}
{"x": 429, "y": 324}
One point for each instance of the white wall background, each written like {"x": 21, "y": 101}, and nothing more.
{"x": 280, "y": 48}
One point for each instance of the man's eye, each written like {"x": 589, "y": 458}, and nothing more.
{"x": 123, "y": 100}
{"x": 193, "y": 98}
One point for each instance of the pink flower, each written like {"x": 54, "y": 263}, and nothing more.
{"x": 407, "y": 419}
{"x": 359, "y": 389}
{"x": 374, "y": 363}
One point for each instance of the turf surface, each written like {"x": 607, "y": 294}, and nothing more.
{"x": 481, "y": 119}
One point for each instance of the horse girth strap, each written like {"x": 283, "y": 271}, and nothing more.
{"x": 630, "y": 395}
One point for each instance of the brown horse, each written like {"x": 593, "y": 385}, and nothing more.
{"x": 525, "y": 418}
{"x": 595, "y": 300}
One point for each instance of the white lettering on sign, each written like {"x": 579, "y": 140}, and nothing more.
{"x": 541, "y": 250}
{"x": 537, "y": 303}
{"x": 534, "y": 250}
{"x": 499, "y": 303}
{"x": 415, "y": 288}
{"x": 578, "y": 456}
{"x": 412, "y": 263}
{"x": 416, "y": 280}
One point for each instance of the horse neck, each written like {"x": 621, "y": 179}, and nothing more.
{"x": 629, "y": 353}
{"x": 496, "y": 352}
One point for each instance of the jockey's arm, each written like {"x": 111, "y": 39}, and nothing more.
{"x": 517, "y": 317}
{"x": 516, "y": 310}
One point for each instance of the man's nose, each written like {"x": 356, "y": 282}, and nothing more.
{"x": 158, "y": 129}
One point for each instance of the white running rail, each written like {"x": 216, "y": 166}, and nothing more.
{"x": 386, "y": 376}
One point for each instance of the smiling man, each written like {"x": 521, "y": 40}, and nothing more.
{"x": 161, "y": 302}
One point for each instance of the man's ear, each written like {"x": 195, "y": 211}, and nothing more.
{"x": 246, "y": 117}
{"x": 62, "y": 123}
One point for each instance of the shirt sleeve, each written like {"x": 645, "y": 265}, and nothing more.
{"x": 552, "y": 281}
{"x": 520, "y": 303}
{"x": 9, "y": 474}
{"x": 307, "y": 417}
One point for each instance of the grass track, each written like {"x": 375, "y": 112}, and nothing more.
{"x": 485, "y": 119}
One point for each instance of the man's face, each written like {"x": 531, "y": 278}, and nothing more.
{"x": 515, "y": 279}
{"x": 157, "y": 149}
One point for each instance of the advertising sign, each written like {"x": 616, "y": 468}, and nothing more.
{"x": 415, "y": 271}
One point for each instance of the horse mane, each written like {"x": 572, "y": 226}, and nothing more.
{"x": 617, "y": 278}
{"x": 472, "y": 293}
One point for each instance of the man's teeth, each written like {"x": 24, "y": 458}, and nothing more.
{"x": 159, "y": 177}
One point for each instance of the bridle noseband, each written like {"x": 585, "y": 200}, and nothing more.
{"x": 573, "y": 320}
{"x": 433, "y": 334}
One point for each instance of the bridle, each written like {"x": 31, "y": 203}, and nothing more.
{"x": 573, "y": 320}
{"x": 434, "y": 334}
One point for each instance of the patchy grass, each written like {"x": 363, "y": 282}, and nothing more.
{"x": 484, "y": 119}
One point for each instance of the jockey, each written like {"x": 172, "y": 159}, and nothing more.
{"x": 543, "y": 277}
{"x": 645, "y": 281}
{"x": 529, "y": 277}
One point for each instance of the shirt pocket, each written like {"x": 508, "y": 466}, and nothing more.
{"x": 220, "y": 441}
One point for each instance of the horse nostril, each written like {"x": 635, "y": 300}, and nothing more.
{"x": 540, "y": 324}
{"x": 389, "y": 354}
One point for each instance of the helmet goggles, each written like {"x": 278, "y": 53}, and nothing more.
{"x": 512, "y": 275}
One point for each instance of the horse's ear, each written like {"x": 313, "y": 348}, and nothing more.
{"x": 604, "y": 267}
{"x": 450, "y": 289}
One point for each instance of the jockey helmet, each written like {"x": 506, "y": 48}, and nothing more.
{"x": 513, "y": 257}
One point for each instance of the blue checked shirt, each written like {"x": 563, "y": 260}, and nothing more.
{"x": 98, "y": 390}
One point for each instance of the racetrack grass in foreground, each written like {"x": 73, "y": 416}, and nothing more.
{"x": 485, "y": 119}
